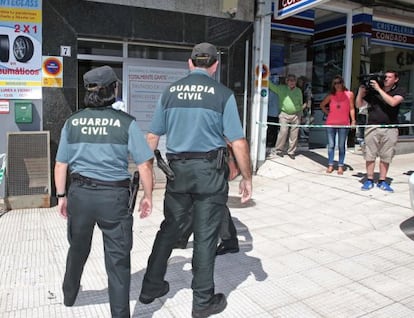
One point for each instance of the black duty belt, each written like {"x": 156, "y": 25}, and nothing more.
{"x": 194, "y": 155}
{"x": 94, "y": 182}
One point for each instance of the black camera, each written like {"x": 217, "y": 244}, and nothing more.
{"x": 364, "y": 79}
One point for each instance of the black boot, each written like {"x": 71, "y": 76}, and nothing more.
{"x": 228, "y": 246}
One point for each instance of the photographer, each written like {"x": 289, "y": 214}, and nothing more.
{"x": 383, "y": 107}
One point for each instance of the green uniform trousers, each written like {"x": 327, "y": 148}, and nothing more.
{"x": 198, "y": 184}
{"x": 227, "y": 232}
{"x": 108, "y": 207}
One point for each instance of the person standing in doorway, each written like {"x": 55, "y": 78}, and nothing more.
{"x": 197, "y": 114}
{"x": 95, "y": 144}
{"x": 383, "y": 106}
{"x": 306, "y": 119}
{"x": 291, "y": 105}
{"x": 272, "y": 116}
{"x": 341, "y": 109}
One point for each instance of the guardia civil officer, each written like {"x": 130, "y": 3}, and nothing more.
{"x": 196, "y": 114}
{"x": 94, "y": 145}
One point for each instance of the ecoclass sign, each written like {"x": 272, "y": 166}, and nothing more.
{"x": 286, "y": 8}
{"x": 20, "y": 49}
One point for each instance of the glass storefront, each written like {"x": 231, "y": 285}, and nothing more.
{"x": 328, "y": 62}
{"x": 318, "y": 57}
{"x": 315, "y": 56}
{"x": 95, "y": 53}
{"x": 385, "y": 58}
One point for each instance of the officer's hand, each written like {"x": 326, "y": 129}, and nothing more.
{"x": 245, "y": 189}
{"x": 145, "y": 207}
{"x": 62, "y": 207}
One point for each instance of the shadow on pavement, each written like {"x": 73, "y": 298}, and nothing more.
{"x": 233, "y": 202}
{"x": 322, "y": 160}
{"x": 363, "y": 177}
{"x": 409, "y": 172}
{"x": 408, "y": 228}
{"x": 231, "y": 270}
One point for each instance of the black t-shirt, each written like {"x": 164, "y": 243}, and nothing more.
{"x": 379, "y": 112}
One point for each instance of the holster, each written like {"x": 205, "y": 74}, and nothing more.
{"x": 221, "y": 155}
{"x": 133, "y": 189}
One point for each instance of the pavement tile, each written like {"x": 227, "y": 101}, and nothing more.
{"x": 311, "y": 245}
{"x": 295, "y": 310}
{"x": 394, "y": 310}
{"x": 352, "y": 300}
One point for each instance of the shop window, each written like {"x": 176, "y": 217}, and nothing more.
{"x": 158, "y": 53}
{"x": 385, "y": 58}
{"x": 100, "y": 48}
{"x": 327, "y": 63}
{"x": 290, "y": 54}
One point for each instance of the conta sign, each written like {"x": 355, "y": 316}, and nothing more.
{"x": 286, "y": 8}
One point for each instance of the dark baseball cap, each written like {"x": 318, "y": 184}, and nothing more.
{"x": 100, "y": 76}
{"x": 204, "y": 50}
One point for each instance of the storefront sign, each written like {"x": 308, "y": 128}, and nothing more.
{"x": 388, "y": 33}
{"x": 286, "y": 8}
{"x": 21, "y": 50}
{"x": 302, "y": 23}
{"x": 52, "y": 68}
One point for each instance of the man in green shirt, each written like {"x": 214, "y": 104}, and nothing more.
{"x": 291, "y": 104}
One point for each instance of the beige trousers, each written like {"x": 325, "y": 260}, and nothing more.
{"x": 287, "y": 131}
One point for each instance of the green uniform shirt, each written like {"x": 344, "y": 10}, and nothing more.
{"x": 290, "y": 100}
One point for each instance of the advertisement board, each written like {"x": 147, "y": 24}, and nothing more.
{"x": 146, "y": 80}
{"x": 145, "y": 85}
{"x": 21, "y": 50}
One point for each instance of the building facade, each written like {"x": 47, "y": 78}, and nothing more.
{"x": 45, "y": 51}
{"x": 147, "y": 43}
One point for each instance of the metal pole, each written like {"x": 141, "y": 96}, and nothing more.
{"x": 246, "y": 78}
{"x": 257, "y": 99}
{"x": 348, "y": 50}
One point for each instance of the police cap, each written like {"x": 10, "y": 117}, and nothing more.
{"x": 204, "y": 51}
{"x": 100, "y": 76}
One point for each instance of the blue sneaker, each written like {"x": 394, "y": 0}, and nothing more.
{"x": 368, "y": 185}
{"x": 385, "y": 186}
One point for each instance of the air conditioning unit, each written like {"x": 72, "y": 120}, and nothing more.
{"x": 28, "y": 177}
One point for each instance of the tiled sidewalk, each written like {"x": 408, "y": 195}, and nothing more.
{"x": 312, "y": 245}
